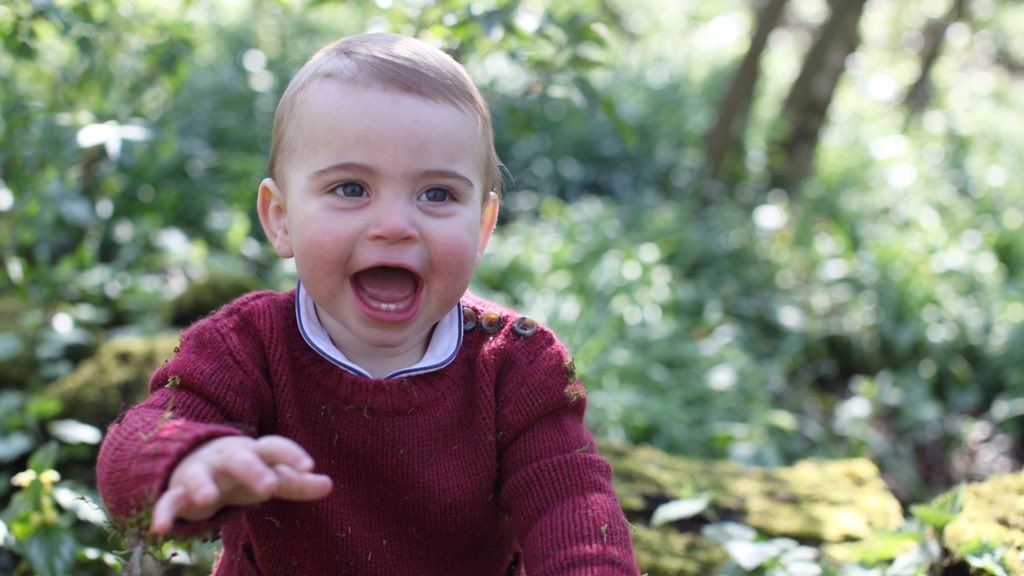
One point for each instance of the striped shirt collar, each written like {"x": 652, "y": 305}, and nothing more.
{"x": 444, "y": 342}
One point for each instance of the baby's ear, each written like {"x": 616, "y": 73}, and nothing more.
{"x": 488, "y": 220}
{"x": 273, "y": 210}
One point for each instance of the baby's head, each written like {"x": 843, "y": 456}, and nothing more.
{"x": 383, "y": 188}
{"x": 395, "y": 62}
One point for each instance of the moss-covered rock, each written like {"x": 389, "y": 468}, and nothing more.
{"x": 992, "y": 514}
{"x": 815, "y": 501}
{"x": 205, "y": 296}
{"x": 667, "y": 552}
{"x": 818, "y": 500}
{"x": 115, "y": 377}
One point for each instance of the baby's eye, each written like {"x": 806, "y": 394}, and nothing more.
{"x": 350, "y": 190}
{"x": 436, "y": 195}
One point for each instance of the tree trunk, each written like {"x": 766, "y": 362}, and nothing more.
{"x": 725, "y": 140}
{"x": 806, "y": 106}
{"x": 920, "y": 93}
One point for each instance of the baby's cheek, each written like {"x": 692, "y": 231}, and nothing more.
{"x": 322, "y": 241}
{"x": 457, "y": 254}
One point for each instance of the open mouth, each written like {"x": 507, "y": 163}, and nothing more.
{"x": 387, "y": 292}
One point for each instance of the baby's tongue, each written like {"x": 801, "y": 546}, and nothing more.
{"x": 385, "y": 284}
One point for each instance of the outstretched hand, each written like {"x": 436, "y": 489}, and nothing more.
{"x": 237, "y": 471}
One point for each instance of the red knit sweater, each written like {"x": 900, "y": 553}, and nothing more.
{"x": 483, "y": 467}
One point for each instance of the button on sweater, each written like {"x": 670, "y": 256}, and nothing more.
{"x": 482, "y": 467}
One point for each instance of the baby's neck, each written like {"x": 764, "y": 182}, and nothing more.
{"x": 380, "y": 363}
{"x": 375, "y": 359}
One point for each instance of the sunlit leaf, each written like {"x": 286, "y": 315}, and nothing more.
{"x": 941, "y": 511}
{"x": 680, "y": 509}
{"x": 723, "y": 532}
{"x": 78, "y": 503}
{"x": 43, "y": 407}
{"x": 988, "y": 563}
{"x": 915, "y": 561}
{"x": 74, "y": 432}
{"x": 750, "y": 555}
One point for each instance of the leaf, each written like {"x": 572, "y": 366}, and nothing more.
{"x": 14, "y": 445}
{"x": 44, "y": 458}
{"x": 84, "y": 507}
{"x": 750, "y": 555}
{"x": 10, "y": 346}
{"x": 74, "y": 432}
{"x": 985, "y": 557}
{"x": 988, "y": 563}
{"x": 680, "y": 509}
{"x": 934, "y": 516}
{"x": 43, "y": 407}
{"x": 941, "y": 511}
{"x": 11, "y": 401}
{"x": 886, "y": 546}
{"x": 724, "y": 532}
{"x": 915, "y": 561}
{"x": 857, "y": 570}
{"x": 801, "y": 568}
{"x": 51, "y": 551}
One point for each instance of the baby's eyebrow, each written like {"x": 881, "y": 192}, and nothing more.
{"x": 443, "y": 174}
{"x": 343, "y": 167}
{"x": 429, "y": 174}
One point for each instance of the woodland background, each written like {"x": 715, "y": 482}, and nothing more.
{"x": 769, "y": 230}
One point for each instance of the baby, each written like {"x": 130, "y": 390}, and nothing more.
{"x": 378, "y": 419}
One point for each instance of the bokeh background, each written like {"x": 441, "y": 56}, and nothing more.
{"x": 768, "y": 229}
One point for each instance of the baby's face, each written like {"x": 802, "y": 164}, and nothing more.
{"x": 386, "y": 212}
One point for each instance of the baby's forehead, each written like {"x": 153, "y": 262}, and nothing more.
{"x": 322, "y": 107}
{"x": 321, "y": 94}
{"x": 325, "y": 85}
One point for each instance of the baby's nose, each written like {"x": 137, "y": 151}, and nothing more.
{"x": 393, "y": 223}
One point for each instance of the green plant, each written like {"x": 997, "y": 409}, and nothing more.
{"x": 42, "y": 520}
{"x": 769, "y": 557}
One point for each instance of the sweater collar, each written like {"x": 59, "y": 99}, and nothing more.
{"x": 441, "y": 351}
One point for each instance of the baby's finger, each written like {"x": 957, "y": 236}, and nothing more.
{"x": 167, "y": 508}
{"x": 249, "y": 471}
{"x": 280, "y": 450}
{"x": 202, "y": 490}
{"x": 301, "y": 485}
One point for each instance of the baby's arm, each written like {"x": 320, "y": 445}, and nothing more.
{"x": 237, "y": 471}
{"x": 555, "y": 485}
{"x": 215, "y": 388}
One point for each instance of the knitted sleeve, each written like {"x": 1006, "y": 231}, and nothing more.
{"x": 213, "y": 387}
{"x": 555, "y": 485}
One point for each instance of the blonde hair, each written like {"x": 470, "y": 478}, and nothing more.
{"x": 394, "y": 61}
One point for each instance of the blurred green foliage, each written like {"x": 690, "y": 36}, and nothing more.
{"x": 878, "y": 311}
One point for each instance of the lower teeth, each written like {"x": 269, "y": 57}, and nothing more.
{"x": 387, "y": 307}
